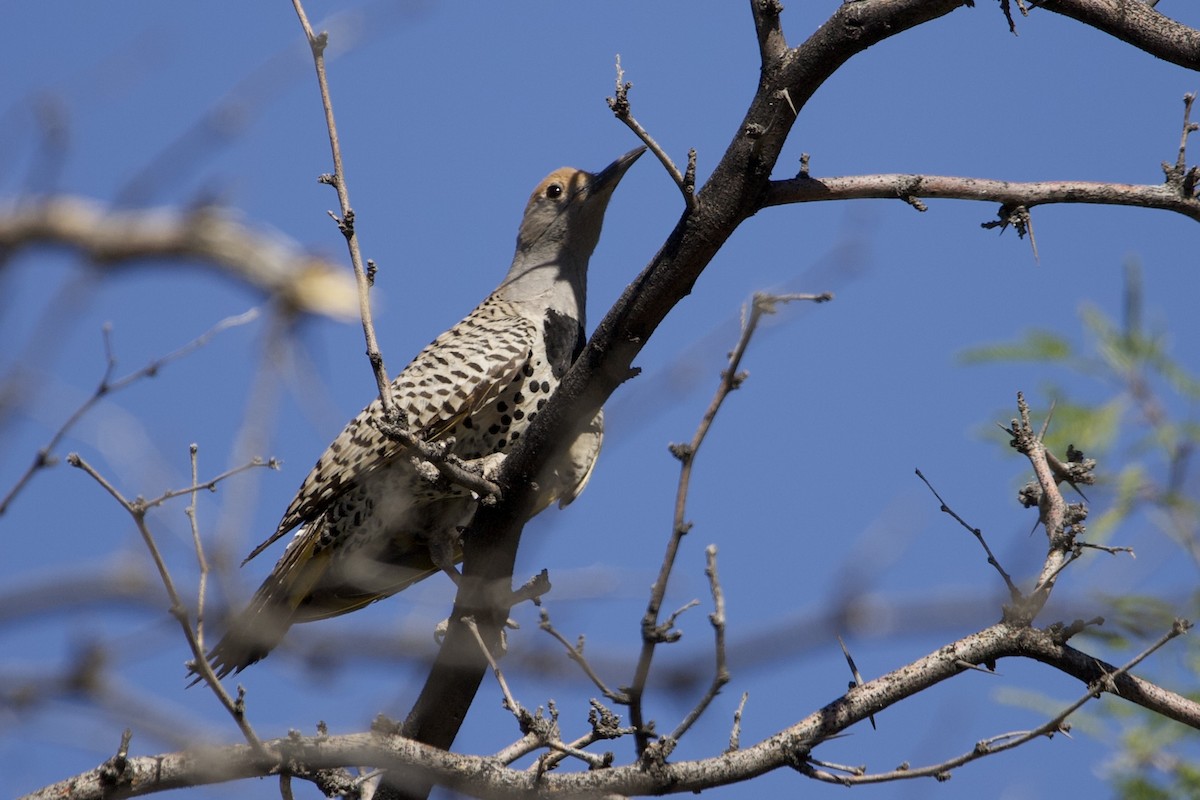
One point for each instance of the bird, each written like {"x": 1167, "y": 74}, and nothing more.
{"x": 368, "y": 520}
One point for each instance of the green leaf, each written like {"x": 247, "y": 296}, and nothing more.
{"x": 1036, "y": 346}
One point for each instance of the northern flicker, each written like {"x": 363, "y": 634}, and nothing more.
{"x": 369, "y": 524}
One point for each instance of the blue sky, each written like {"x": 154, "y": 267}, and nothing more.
{"x": 449, "y": 115}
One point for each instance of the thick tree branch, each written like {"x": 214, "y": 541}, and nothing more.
{"x": 1136, "y": 23}
{"x": 410, "y": 763}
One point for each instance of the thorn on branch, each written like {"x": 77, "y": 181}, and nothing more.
{"x": 1018, "y": 216}
{"x": 858, "y": 681}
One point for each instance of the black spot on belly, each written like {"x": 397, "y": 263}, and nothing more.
{"x": 564, "y": 341}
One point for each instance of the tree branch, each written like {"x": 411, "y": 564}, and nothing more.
{"x": 267, "y": 261}
{"x": 345, "y": 222}
{"x": 1007, "y": 193}
{"x": 411, "y": 763}
{"x": 1135, "y": 23}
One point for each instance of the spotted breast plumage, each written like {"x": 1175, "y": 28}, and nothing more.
{"x": 368, "y": 522}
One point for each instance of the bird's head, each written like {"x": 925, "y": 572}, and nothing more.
{"x": 564, "y": 214}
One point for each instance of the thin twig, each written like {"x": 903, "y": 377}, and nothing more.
{"x": 717, "y": 618}
{"x": 575, "y": 653}
{"x": 137, "y": 510}
{"x": 538, "y": 730}
{"x": 1112, "y": 551}
{"x": 652, "y": 631}
{"x": 345, "y": 223}
{"x": 211, "y": 484}
{"x": 1013, "y": 591}
{"x": 621, "y": 110}
{"x": 1007, "y": 741}
{"x": 510, "y": 701}
{"x": 190, "y": 511}
{"x": 107, "y": 386}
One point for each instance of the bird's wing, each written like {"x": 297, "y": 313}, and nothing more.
{"x": 454, "y": 376}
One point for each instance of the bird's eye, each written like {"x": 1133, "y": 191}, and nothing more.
{"x": 554, "y": 191}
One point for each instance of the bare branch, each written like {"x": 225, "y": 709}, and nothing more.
{"x": 1013, "y": 591}
{"x": 345, "y": 223}
{"x": 1059, "y": 520}
{"x": 621, "y": 109}
{"x": 198, "y": 544}
{"x": 1135, "y": 23}
{"x": 721, "y": 672}
{"x": 1008, "y": 193}
{"x": 268, "y": 261}
{"x": 482, "y": 775}
{"x": 731, "y": 379}
{"x": 510, "y": 702}
{"x": 735, "y": 734}
{"x": 1107, "y": 682}
{"x": 107, "y": 386}
{"x": 575, "y": 653}
{"x": 137, "y": 509}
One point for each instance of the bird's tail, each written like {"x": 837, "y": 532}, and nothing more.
{"x": 261, "y": 625}
{"x": 302, "y": 587}
{"x": 252, "y": 634}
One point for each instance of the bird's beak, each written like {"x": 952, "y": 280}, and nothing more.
{"x": 607, "y": 179}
